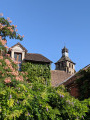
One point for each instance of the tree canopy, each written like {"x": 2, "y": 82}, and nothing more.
{"x": 8, "y": 30}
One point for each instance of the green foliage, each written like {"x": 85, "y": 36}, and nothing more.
{"x": 84, "y": 84}
{"x": 35, "y": 101}
{"x": 87, "y": 102}
{"x": 37, "y": 72}
{"x": 8, "y": 30}
{"x": 2, "y": 49}
{"x": 6, "y": 72}
{"x": 25, "y": 102}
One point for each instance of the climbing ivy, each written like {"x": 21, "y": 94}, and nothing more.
{"x": 37, "y": 72}
{"x": 84, "y": 84}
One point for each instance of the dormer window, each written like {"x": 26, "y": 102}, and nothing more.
{"x": 18, "y": 57}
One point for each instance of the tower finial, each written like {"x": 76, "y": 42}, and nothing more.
{"x": 64, "y": 44}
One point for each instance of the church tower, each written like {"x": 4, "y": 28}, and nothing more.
{"x": 65, "y": 63}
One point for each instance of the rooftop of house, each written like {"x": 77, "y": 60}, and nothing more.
{"x": 36, "y": 57}
{"x": 58, "y": 76}
{"x": 33, "y": 56}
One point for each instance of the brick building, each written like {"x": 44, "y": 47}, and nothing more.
{"x": 71, "y": 83}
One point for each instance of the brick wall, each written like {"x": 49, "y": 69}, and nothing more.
{"x": 73, "y": 90}
{"x": 72, "y": 87}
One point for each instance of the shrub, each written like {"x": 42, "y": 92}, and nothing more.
{"x": 23, "y": 100}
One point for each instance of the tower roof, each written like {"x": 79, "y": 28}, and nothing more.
{"x": 64, "y": 49}
{"x": 64, "y": 59}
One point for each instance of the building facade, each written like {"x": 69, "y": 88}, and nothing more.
{"x": 19, "y": 53}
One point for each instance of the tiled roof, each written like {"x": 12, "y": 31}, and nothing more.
{"x": 20, "y": 46}
{"x": 72, "y": 78}
{"x": 36, "y": 58}
{"x": 63, "y": 58}
{"x": 58, "y": 76}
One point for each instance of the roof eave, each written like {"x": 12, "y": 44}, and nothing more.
{"x": 66, "y": 60}
{"x": 38, "y": 61}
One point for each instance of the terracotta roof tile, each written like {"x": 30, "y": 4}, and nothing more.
{"x": 58, "y": 76}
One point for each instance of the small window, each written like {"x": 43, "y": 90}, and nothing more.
{"x": 62, "y": 64}
{"x": 72, "y": 66}
{"x": 15, "y": 56}
{"x": 69, "y": 65}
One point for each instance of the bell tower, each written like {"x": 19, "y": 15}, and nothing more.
{"x": 65, "y": 52}
{"x": 65, "y": 63}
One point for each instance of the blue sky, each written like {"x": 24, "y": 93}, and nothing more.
{"x": 48, "y": 25}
